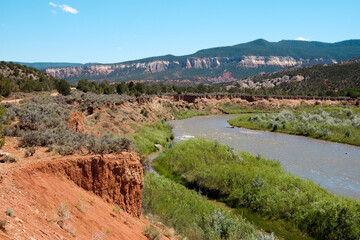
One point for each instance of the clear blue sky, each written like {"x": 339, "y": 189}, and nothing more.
{"x": 118, "y": 30}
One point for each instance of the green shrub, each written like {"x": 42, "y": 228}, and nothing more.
{"x": 323, "y": 122}
{"x": 9, "y": 212}
{"x": 261, "y": 185}
{"x": 152, "y": 233}
{"x": 190, "y": 214}
{"x": 149, "y": 135}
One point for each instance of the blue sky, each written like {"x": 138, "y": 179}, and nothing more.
{"x": 109, "y": 31}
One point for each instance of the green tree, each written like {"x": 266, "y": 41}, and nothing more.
{"x": 2, "y": 113}
{"x": 140, "y": 87}
{"x": 122, "y": 88}
{"x": 64, "y": 87}
{"x": 5, "y": 86}
{"x": 83, "y": 85}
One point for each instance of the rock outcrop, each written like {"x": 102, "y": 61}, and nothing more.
{"x": 266, "y": 83}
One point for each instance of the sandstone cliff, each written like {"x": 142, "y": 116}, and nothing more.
{"x": 143, "y": 70}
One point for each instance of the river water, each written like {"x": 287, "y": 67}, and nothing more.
{"x": 334, "y": 166}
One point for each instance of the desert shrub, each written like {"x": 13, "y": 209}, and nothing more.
{"x": 65, "y": 141}
{"x": 111, "y": 114}
{"x": 324, "y": 122}
{"x": 8, "y": 158}
{"x": 12, "y": 131}
{"x": 97, "y": 115}
{"x": 63, "y": 211}
{"x": 152, "y": 233}
{"x": 144, "y": 112}
{"x": 9, "y": 212}
{"x": 30, "y": 151}
{"x": 35, "y": 117}
{"x": 116, "y": 209}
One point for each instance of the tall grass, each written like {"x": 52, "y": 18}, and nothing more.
{"x": 263, "y": 186}
{"x": 192, "y": 215}
{"x": 147, "y": 136}
{"x": 338, "y": 124}
{"x": 234, "y": 108}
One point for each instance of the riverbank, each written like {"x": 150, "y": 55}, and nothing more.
{"x": 262, "y": 186}
{"x": 331, "y": 123}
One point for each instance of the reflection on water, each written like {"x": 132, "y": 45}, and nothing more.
{"x": 334, "y": 166}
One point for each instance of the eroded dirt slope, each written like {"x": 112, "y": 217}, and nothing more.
{"x": 74, "y": 198}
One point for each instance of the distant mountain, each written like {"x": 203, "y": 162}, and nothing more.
{"x": 221, "y": 64}
{"x": 44, "y": 65}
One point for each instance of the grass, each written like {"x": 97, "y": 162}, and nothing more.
{"x": 231, "y": 108}
{"x": 189, "y": 213}
{"x": 147, "y": 136}
{"x": 182, "y": 114}
{"x": 263, "y": 187}
{"x": 330, "y": 123}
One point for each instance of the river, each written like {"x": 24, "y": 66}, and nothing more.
{"x": 334, "y": 166}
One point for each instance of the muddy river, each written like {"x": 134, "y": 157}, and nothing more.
{"x": 333, "y": 166}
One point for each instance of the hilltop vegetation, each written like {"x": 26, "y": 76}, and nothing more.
{"x": 262, "y": 186}
{"x": 20, "y": 78}
{"x": 321, "y": 79}
{"x": 296, "y": 49}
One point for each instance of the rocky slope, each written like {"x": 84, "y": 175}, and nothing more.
{"x": 334, "y": 77}
{"x": 240, "y": 61}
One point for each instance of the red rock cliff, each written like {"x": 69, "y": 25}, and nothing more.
{"x": 117, "y": 179}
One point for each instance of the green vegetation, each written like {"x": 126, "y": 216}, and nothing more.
{"x": 182, "y": 114}
{"x": 261, "y": 186}
{"x": 297, "y": 49}
{"x": 152, "y": 233}
{"x": 64, "y": 87}
{"x": 43, "y": 122}
{"x": 189, "y": 213}
{"x": 2, "y": 120}
{"x": 231, "y": 108}
{"x": 137, "y": 89}
{"x": 337, "y": 124}
{"x": 20, "y": 78}
{"x": 146, "y": 137}
{"x": 117, "y": 209}
{"x": 9, "y": 212}
{"x": 329, "y": 80}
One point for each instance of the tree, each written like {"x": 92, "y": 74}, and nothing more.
{"x": 64, "y": 87}
{"x": 83, "y": 85}
{"x": 140, "y": 87}
{"x": 5, "y": 86}
{"x": 2, "y": 113}
{"x": 121, "y": 88}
